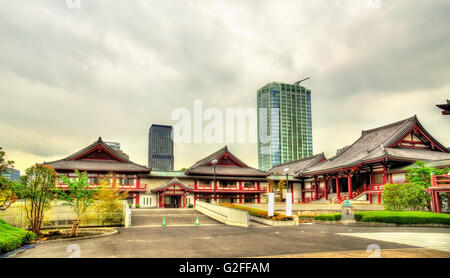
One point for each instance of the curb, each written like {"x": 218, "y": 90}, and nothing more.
{"x": 377, "y": 224}
{"x": 30, "y": 246}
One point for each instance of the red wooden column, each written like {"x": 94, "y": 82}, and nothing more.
{"x": 379, "y": 198}
{"x": 258, "y": 198}
{"x": 215, "y": 197}
{"x": 349, "y": 185}
{"x": 384, "y": 174}
{"x": 325, "y": 189}
{"x": 162, "y": 197}
{"x": 315, "y": 188}
{"x": 138, "y": 198}
{"x": 195, "y": 199}
{"x": 240, "y": 198}
{"x": 338, "y": 189}
{"x": 370, "y": 198}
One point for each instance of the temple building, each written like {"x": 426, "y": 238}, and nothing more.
{"x": 219, "y": 177}
{"x": 234, "y": 181}
{"x": 98, "y": 160}
{"x": 378, "y": 157}
{"x": 295, "y": 185}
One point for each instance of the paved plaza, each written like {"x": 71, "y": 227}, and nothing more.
{"x": 306, "y": 240}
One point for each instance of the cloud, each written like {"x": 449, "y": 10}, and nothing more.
{"x": 112, "y": 68}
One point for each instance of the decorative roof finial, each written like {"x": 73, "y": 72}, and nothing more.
{"x": 99, "y": 139}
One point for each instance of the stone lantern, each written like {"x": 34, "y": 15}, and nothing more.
{"x": 348, "y": 214}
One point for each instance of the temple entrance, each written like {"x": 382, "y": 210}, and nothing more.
{"x": 172, "y": 201}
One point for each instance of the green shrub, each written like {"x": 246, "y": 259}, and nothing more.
{"x": 259, "y": 212}
{"x": 138, "y": 206}
{"x": 12, "y": 237}
{"x": 190, "y": 206}
{"x": 405, "y": 217}
{"x": 328, "y": 217}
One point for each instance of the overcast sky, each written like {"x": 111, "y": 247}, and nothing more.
{"x": 112, "y": 68}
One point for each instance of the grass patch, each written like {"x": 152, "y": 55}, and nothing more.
{"x": 260, "y": 212}
{"x": 396, "y": 217}
{"x": 12, "y": 237}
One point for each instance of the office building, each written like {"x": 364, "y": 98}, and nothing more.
{"x": 284, "y": 124}
{"x": 160, "y": 148}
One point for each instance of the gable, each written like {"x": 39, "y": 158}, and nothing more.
{"x": 227, "y": 159}
{"x": 98, "y": 153}
{"x": 416, "y": 138}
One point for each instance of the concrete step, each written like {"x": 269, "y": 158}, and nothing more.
{"x": 154, "y": 217}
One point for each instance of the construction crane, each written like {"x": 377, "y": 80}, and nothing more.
{"x": 298, "y": 82}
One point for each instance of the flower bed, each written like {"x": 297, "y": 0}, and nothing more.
{"x": 12, "y": 237}
{"x": 260, "y": 213}
{"x": 395, "y": 217}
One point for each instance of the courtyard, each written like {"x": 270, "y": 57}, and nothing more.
{"x": 218, "y": 240}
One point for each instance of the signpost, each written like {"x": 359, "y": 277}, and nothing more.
{"x": 289, "y": 204}
{"x": 271, "y": 204}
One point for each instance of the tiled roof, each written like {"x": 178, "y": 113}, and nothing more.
{"x": 172, "y": 182}
{"x": 200, "y": 167}
{"x": 297, "y": 166}
{"x": 125, "y": 165}
{"x": 374, "y": 144}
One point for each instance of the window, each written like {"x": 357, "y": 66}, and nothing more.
{"x": 227, "y": 183}
{"x": 249, "y": 184}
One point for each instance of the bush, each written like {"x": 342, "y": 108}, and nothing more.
{"x": 406, "y": 217}
{"x": 395, "y": 217}
{"x": 12, "y": 237}
{"x": 190, "y": 206}
{"x": 328, "y": 217}
{"x": 402, "y": 196}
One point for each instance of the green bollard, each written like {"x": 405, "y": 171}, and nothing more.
{"x": 197, "y": 222}
{"x": 164, "y": 222}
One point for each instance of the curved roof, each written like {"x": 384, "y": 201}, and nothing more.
{"x": 379, "y": 143}
{"x": 237, "y": 168}
{"x": 118, "y": 162}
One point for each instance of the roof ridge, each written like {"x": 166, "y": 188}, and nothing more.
{"x": 298, "y": 160}
{"x": 390, "y": 125}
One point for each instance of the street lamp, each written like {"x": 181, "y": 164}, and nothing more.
{"x": 286, "y": 170}
{"x": 214, "y": 163}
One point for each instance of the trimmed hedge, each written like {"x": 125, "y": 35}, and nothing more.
{"x": 396, "y": 217}
{"x": 12, "y": 237}
{"x": 259, "y": 212}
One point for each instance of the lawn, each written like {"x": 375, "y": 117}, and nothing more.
{"x": 396, "y": 217}
{"x": 12, "y": 237}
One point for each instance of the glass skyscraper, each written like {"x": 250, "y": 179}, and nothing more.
{"x": 284, "y": 124}
{"x": 160, "y": 148}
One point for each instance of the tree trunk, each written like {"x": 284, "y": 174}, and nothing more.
{"x": 75, "y": 224}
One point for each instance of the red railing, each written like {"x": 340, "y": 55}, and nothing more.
{"x": 440, "y": 180}
{"x": 340, "y": 199}
{"x": 230, "y": 188}
{"x": 121, "y": 187}
{"x": 375, "y": 187}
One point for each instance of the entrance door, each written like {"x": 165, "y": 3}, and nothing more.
{"x": 172, "y": 201}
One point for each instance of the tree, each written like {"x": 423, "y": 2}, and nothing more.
{"x": 280, "y": 186}
{"x": 394, "y": 197}
{"x": 411, "y": 194}
{"x": 7, "y": 192}
{"x": 38, "y": 190}
{"x": 108, "y": 196}
{"x": 79, "y": 197}
{"x": 420, "y": 176}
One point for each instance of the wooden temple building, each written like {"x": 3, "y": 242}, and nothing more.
{"x": 233, "y": 180}
{"x": 361, "y": 170}
{"x": 98, "y": 160}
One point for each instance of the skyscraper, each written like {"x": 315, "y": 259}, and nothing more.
{"x": 12, "y": 174}
{"x": 284, "y": 124}
{"x": 160, "y": 148}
